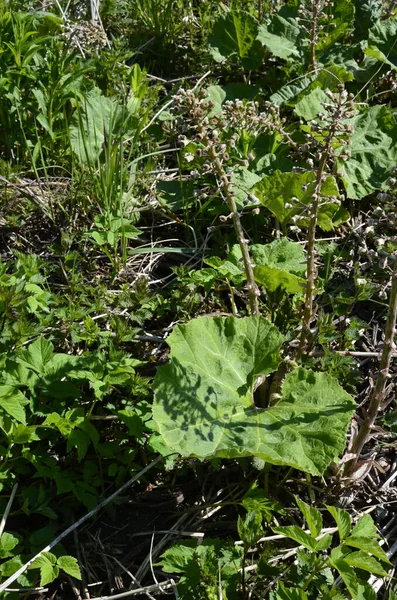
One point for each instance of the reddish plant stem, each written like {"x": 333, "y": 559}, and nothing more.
{"x": 378, "y": 391}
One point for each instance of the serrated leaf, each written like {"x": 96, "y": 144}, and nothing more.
{"x": 279, "y": 264}
{"x": 38, "y": 354}
{"x": 366, "y": 592}
{"x": 278, "y": 190}
{"x": 277, "y": 45}
{"x": 23, "y": 434}
{"x": 235, "y": 34}
{"x": 365, "y": 527}
{"x": 48, "y": 573}
{"x": 44, "y": 559}
{"x": 312, "y": 517}
{"x": 12, "y": 402}
{"x": 311, "y": 104}
{"x": 250, "y": 528}
{"x": 347, "y": 574}
{"x": 342, "y": 519}
{"x": 373, "y": 152}
{"x": 70, "y": 565}
{"x": 368, "y": 545}
{"x": 324, "y": 543}
{"x": 298, "y": 535}
{"x": 203, "y": 403}
{"x": 382, "y": 42}
{"x": 284, "y": 593}
{"x": 176, "y": 558}
{"x": 361, "y": 560}
{"x": 7, "y": 544}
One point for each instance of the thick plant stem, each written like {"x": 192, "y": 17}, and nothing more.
{"x": 311, "y": 236}
{"x": 380, "y": 385}
{"x": 313, "y": 37}
{"x": 253, "y": 290}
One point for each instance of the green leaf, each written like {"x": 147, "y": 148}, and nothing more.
{"x": 373, "y": 152}
{"x": 298, "y": 535}
{"x": 343, "y": 521}
{"x": 250, "y": 528}
{"x": 23, "y": 434}
{"x": 95, "y": 122}
{"x": 80, "y": 440}
{"x": 382, "y": 42}
{"x": 277, "y": 45}
{"x": 203, "y": 403}
{"x": 132, "y": 420}
{"x": 311, "y": 105}
{"x": 284, "y": 593}
{"x": 70, "y": 565}
{"x": 12, "y": 401}
{"x": 38, "y": 354}
{"x": 367, "y": 592}
{"x": 7, "y": 544}
{"x": 277, "y": 193}
{"x": 346, "y": 572}
{"x": 368, "y": 545}
{"x": 280, "y": 263}
{"x": 361, "y": 560}
{"x": 49, "y": 570}
{"x": 256, "y": 500}
{"x": 312, "y": 517}
{"x": 291, "y": 90}
{"x": 365, "y": 527}
{"x": 235, "y": 34}
{"x": 272, "y": 278}
{"x": 176, "y": 558}
{"x": 324, "y": 543}
{"x": 342, "y": 23}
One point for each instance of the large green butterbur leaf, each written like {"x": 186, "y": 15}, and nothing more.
{"x": 235, "y": 35}
{"x": 288, "y": 195}
{"x": 373, "y": 152}
{"x": 278, "y": 264}
{"x": 382, "y": 42}
{"x": 204, "y": 406}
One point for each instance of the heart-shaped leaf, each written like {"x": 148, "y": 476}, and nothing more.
{"x": 204, "y": 404}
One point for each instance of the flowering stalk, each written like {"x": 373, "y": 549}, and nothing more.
{"x": 338, "y": 112}
{"x": 310, "y": 13}
{"x": 378, "y": 392}
{"x": 217, "y": 157}
{"x": 228, "y": 194}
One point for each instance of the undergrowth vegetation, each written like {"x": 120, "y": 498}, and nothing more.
{"x": 198, "y": 299}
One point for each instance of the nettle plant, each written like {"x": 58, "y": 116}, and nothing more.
{"x": 347, "y": 553}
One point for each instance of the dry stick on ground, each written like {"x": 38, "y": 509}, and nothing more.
{"x": 92, "y": 512}
{"x": 381, "y": 382}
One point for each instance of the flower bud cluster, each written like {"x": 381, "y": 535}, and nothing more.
{"x": 330, "y": 130}
{"x": 217, "y": 134}
{"x": 378, "y": 245}
{"x": 311, "y": 13}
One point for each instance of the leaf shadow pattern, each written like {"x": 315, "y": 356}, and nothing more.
{"x": 198, "y": 416}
